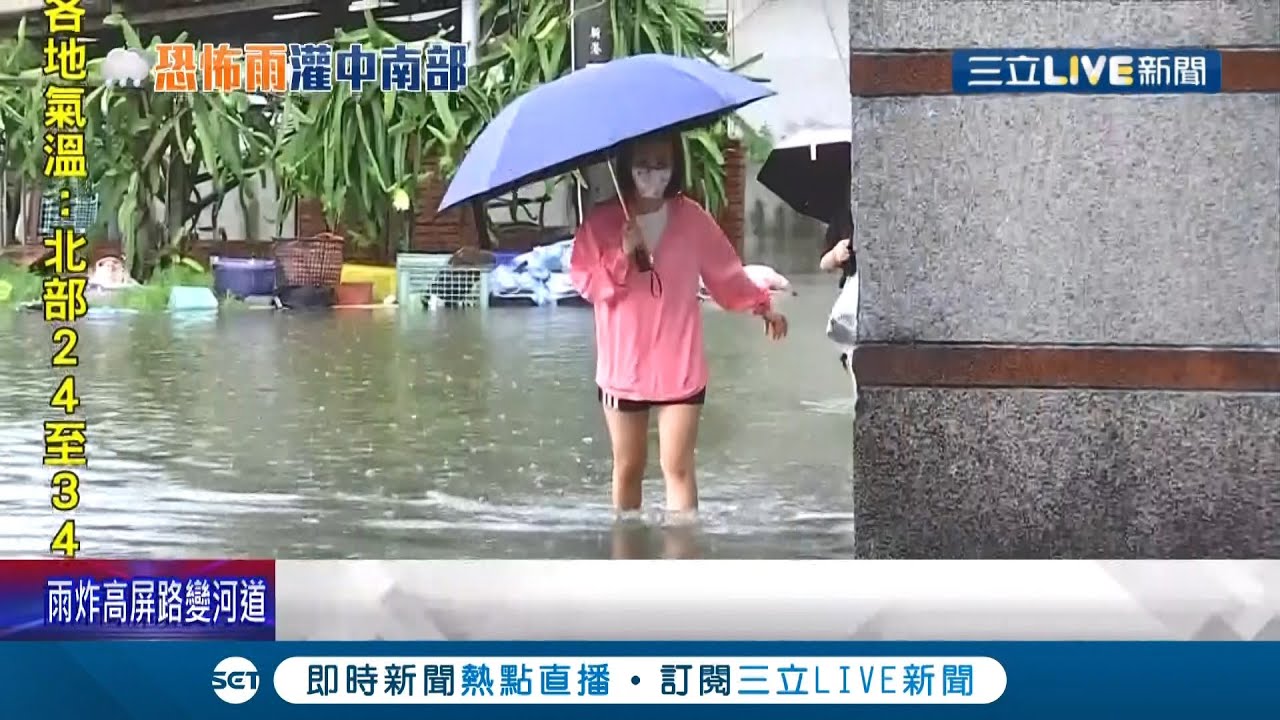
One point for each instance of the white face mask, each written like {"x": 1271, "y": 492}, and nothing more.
{"x": 651, "y": 182}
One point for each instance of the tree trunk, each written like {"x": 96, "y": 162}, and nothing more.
{"x": 177, "y": 196}
{"x": 12, "y": 209}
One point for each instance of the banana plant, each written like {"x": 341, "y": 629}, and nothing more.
{"x": 161, "y": 159}
{"x": 359, "y": 154}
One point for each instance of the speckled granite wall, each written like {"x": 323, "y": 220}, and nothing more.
{"x": 1050, "y": 219}
{"x": 1069, "y": 219}
{"x": 1035, "y": 474}
{"x": 898, "y": 24}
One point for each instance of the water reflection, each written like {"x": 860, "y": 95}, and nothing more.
{"x": 639, "y": 540}
{"x": 384, "y": 434}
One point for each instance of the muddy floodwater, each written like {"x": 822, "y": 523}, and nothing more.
{"x": 385, "y": 434}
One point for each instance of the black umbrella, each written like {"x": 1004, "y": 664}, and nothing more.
{"x": 810, "y": 171}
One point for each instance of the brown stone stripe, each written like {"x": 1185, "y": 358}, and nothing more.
{"x": 1092, "y": 367}
{"x": 1251, "y": 71}
{"x": 928, "y": 72}
{"x": 878, "y": 74}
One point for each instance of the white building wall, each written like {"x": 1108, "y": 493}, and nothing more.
{"x": 805, "y": 47}
{"x": 262, "y": 222}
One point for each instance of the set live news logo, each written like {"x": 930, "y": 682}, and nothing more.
{"x": 235, "y": 680}
{"x": 1117, "y": 71}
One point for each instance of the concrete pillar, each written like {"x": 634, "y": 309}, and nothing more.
{"x": 1070, "y": 305}
{"x": 469, "y": 27}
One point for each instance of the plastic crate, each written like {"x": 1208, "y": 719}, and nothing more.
{"x": 422, "y": 278}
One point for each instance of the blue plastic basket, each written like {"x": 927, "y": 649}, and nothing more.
{"x": 243, "y": 277}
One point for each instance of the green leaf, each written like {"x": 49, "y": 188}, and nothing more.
{"x": 158, "y": 140}
{"x": 388, "y": 103}
{"x": 709, "y": 146}
{"x": 445, "y": 113}
{"x": 548, "y": 26}
{"x": 210, "y": 146}
{"x": 370, "y": 155}
{"x": 440, "y": 135}
{"x": 131, "y": 38}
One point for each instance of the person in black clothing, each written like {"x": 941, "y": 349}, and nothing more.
{"x": 840, "y": 255}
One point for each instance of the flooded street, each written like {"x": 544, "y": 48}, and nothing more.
{"x": 385, "y": 434}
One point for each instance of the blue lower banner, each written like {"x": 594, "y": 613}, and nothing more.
{"x": 157, "y": 679}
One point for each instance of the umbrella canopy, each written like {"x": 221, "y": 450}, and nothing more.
{"x": 809, "y": 170}
{"x": 568, "y": 122}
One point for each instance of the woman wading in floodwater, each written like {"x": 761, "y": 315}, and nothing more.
{"x": 639, "y": 268}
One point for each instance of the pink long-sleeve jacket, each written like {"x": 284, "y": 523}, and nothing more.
{"x": 649, "y": 344}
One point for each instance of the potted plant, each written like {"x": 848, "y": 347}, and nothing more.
{"x": 359, "y": 155}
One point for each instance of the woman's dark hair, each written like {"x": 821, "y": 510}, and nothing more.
{"x": 626, "y": 157}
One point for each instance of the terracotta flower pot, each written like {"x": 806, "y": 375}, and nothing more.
{"x": 358, "y": 293}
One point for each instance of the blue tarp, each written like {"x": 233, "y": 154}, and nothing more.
{"x": 542, "y": 275}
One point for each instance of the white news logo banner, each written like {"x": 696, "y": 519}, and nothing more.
{"x": 640, "y": 680}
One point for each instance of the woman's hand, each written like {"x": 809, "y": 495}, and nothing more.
{"x": 631, "y": 237}
{"x": 837, "y": 256}
{"x": 842, "y": 251}
{"x": 775, "y": 325}
{"x": 633, "y": 246}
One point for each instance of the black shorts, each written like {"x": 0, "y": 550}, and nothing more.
{"x": 624, "y": 405}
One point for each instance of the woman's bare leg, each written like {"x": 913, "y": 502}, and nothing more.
{"x": 677, "y": 439}
{"x": 629, "y": 436}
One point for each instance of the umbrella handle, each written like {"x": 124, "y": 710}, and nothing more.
{"x": 618, "y": 189}
{"x": 643, "y": 261}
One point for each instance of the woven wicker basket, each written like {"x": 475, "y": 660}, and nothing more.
{"x": 310, "y": 262}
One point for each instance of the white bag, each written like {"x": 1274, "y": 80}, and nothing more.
{"x": 842, "y": 323}
{"x": 842, "y": 326}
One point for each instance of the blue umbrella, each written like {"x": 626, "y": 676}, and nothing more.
{"x": 566, "y": 123}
